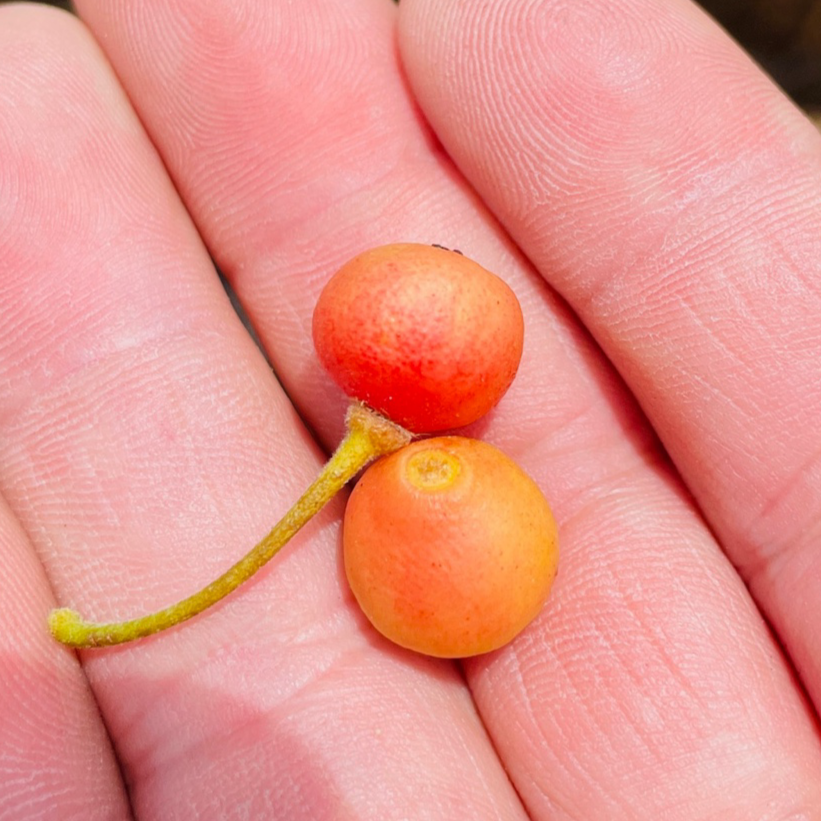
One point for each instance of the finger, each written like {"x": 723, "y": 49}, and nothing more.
{"x": 671, "y": 194}
{"x": 51, "y": 735}
{"x": 256, "y": 164}
{"x": 650, "y": 676}
{"x": 145, "y": 445}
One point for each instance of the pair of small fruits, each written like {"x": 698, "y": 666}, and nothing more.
{"x": 450, "y": 548}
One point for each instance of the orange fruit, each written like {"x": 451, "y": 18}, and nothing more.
{"x": 421, "y": 334}
{"x": 450, "y": 547}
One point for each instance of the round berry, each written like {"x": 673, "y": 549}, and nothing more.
{"x": 450, "y": 548}
{"x": 421, "y": 334}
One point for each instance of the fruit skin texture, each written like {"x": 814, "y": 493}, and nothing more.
{"x": 450, "y": 548}
{"x": 421, "y": 334}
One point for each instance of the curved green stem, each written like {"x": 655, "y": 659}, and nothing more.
{"x": 368, "y": 437}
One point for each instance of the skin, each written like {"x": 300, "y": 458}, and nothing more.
{"x": 450, "y": 548}
{"x": 423, "y": 335}
{"x": 658, "y": 205}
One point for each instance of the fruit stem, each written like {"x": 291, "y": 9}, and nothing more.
{"x": 368, "y": 436}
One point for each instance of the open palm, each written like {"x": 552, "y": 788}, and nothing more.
{"x": 655, "y": 204}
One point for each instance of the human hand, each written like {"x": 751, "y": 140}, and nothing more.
{"x": 641, "y": 167}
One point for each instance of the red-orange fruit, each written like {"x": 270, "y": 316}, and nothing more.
{"x": 421, "y": 334}
{"x": 450, "y": 547}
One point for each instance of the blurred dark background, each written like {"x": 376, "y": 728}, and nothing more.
{"x": 783, "y": 36}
